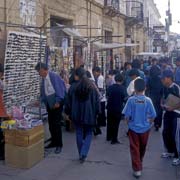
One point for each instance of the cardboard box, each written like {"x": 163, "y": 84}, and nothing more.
{"x": 24, "y": 157}
{"x": 24, "y": 138}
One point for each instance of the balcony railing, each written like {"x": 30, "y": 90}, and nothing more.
{"x": 111, "y": 7}
{"x": 112, "y": 3}
{"x": 135, "y": 12}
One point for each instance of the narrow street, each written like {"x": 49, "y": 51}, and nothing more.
{"x": 105, "y": 162}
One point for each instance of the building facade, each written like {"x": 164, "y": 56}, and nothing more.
{"x": 103, "y": 21}
{"x": 152, "y": 17}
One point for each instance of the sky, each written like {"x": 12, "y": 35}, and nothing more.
{"x": 162, "y": 5}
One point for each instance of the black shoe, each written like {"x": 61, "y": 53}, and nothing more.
{"x": 82, "y": 159}
{"x": 116, "y": 142}
{"x": 58, "y": 150}
{"x": 97, "y": 131}
{"x": 51, "y": 145}
{"x": 48, "y": 140}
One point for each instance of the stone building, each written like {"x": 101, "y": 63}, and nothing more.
{"x": 152, "y": 17}
{"x": 102, "y": 21}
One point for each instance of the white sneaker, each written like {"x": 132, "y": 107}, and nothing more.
{"x": 137, "y": 174}
{"x": 167, "y": 155}
{"x": 176, "y": 162}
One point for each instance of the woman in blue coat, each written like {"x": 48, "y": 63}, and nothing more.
{"x": 83, "y": 106}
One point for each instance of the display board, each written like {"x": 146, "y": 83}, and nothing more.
{"x": 23, "y": 52}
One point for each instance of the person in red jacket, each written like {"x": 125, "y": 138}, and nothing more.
{"x": 3, "y": 113}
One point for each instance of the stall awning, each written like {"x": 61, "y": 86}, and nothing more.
{"x": 72, "y": 32}
{"x": 149, "y": 54}
{"x": 106, "y": 46}
{"x": 97, "y": 46}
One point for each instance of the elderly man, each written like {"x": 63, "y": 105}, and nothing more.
{"x": 52, "y": 95}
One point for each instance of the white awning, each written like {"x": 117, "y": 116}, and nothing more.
{"x": 149, "y": 54}
{"x": 106, "y": 46}
{"x": 72, "y": 32}
{"x": 97, "y": 46}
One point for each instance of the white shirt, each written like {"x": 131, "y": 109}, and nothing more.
{"x": 100, "y": 85}
{"x": 49, "y": 89}
{"x": 100, "y": 82}
{"x": 130, "y": 89}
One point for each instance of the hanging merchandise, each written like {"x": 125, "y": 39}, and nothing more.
{"x": 70, "y": 56}
{"x": 65, "y": 47}
{"x": 28, "y": 11}
{"x": 23, "y": 51}
{"x": 56, "y": 59}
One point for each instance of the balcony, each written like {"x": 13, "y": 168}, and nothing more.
{"x": 111, "y": 7}
{"x": 135, "y": 13}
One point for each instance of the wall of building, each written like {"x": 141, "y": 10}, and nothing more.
{"x": 119, "y": 29}
{"x": 80, "y": 12}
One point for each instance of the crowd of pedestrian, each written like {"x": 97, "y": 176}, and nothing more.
{"x": 139, "y": 93}
{"x": 142, "y": 93}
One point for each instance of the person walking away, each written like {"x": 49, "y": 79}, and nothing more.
{"x": 83, "y": 106}
{"x": 100, "y": 83}
{"x": 170, "y": 117}
{"x": 177, "y": 71}
{"x": 125, "y": 73}
{"x": 136, "y": 64}
{"x": 117, "y": 95}
{"x": 154, "y": 90}
{"x": 110, "y": 79}
{"x": 53, "y": 91}
{"x": 139, "y": 113}
{"x": 133, "y": 74}
{"x": 165, "y": 65}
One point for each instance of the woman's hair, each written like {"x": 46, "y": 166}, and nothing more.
{"x": 88, "y": 74}
{"x": 84, "y": 85}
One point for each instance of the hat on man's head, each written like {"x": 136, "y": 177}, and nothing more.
{"x": 168, "y": 74}
{"x": 134, "y": 72}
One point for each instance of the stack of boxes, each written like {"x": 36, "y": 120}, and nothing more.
{"x": 24, "y": 148}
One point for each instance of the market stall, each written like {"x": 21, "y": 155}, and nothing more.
{"x": 23, "y": 128}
